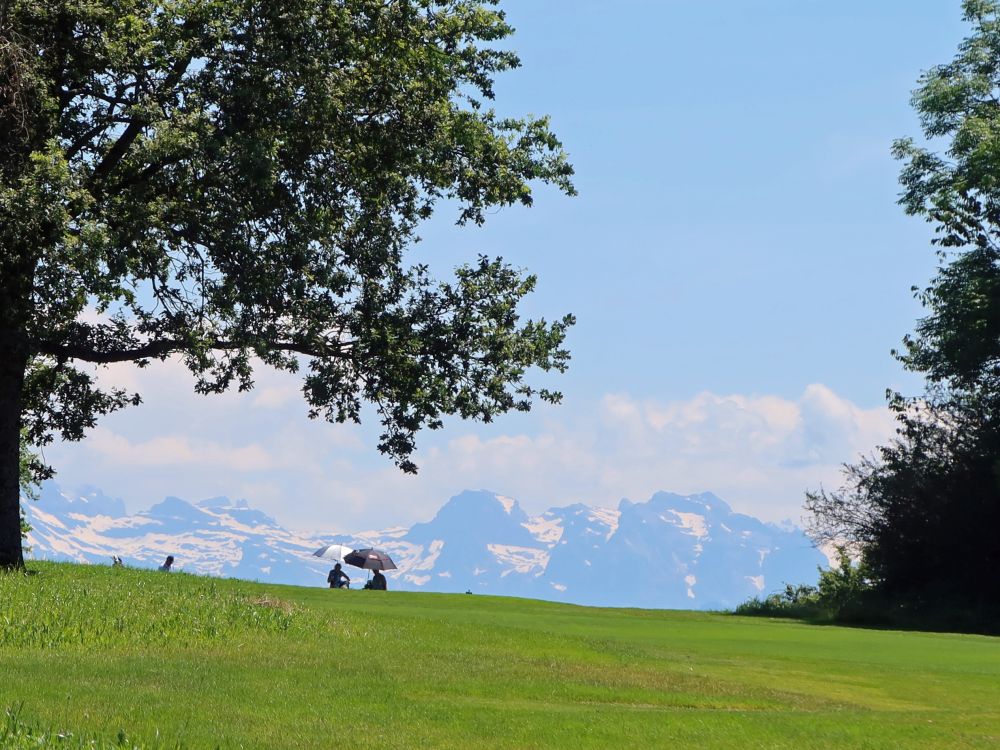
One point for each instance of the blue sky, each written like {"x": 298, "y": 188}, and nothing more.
{"x": 736, "y": 260}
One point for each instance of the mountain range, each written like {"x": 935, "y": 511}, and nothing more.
{"x": 671, "y": 551}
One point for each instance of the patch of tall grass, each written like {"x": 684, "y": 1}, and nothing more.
{"x": 66, "y": 606}
{"x": 16, "y": 733}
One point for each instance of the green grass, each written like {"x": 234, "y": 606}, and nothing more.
{"x": 113, "y": 658}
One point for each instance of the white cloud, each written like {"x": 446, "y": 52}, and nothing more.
{"x": 758, "y": 452}
{"x": 180, "y": 452}
{"x": 274, "y": 397}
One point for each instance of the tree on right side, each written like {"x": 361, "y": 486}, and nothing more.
{"x": 924, "y": 511}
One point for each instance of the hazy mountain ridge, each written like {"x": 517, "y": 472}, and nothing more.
{"x": 669, "y": 551}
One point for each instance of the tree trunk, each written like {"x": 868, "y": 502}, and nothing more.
{"x": 13, "y": 361}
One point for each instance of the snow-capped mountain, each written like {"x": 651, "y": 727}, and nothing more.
{"x": 672, "y": 551}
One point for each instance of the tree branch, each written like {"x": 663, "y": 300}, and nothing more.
{"x": 114, "y": 157}
{"x": 77, "y": 146}
{"x": 163, "y": 347}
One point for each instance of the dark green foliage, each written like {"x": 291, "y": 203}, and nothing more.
{"x": 237, "y": 178}
{"x": 958, "y": 191}
{"x": 236, "y": 182}
{"x": 925, "y": 509}
{"x": 848, "y": 595}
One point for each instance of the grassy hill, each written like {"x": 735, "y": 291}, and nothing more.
{"x": 101, "y": 657}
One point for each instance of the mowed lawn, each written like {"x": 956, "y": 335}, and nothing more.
{"x": 171, "y": 660}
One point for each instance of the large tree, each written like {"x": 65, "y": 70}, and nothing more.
{"x": 925, "y": 509}
{"x": 235, "y": 183}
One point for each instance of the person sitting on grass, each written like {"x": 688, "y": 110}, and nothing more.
{"x": 167, "y": 564}
{"x": 378, "y": 581}
{"x": 338, "y": 579}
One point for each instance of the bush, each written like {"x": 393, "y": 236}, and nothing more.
{"x": 799, "y": 601}
{"x": 845, "y": 586}
{"x": 842, "y": 590}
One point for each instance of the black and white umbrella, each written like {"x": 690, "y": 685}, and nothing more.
{"x": 335, "y": 552}
{"x": 370, "y": 559}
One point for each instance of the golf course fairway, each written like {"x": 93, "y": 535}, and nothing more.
{"x": 100, "y": 657}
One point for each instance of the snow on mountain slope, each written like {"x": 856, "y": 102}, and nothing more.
{"x": 669, "y": 551}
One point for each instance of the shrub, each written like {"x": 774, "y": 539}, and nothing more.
{"x": 845, "y": 586}
{"x": 842, "y": 591}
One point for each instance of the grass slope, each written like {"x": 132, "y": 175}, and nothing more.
{"x": 124, "y": 658}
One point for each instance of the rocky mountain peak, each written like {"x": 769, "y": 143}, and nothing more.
{"x": 684, "y": 551}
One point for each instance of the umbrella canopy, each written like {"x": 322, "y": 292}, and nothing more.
{"x": 335, "y": 552}
{"x": 370, "y": 559}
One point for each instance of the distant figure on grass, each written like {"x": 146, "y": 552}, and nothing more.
{"x": 338, "y": 579}
{"x": 117, "y": 562}
{"x": 167, "y": 564}
{"x": 378, "y": 581}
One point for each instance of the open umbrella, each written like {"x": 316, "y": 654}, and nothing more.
{"x": 335, "y": 552}
{"x": 370, "y": 559}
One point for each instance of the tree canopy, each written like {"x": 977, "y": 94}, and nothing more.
{"x": 924, "y": 509}
{"x": 236, "y": 182}
{"x": 958, "y": 191}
